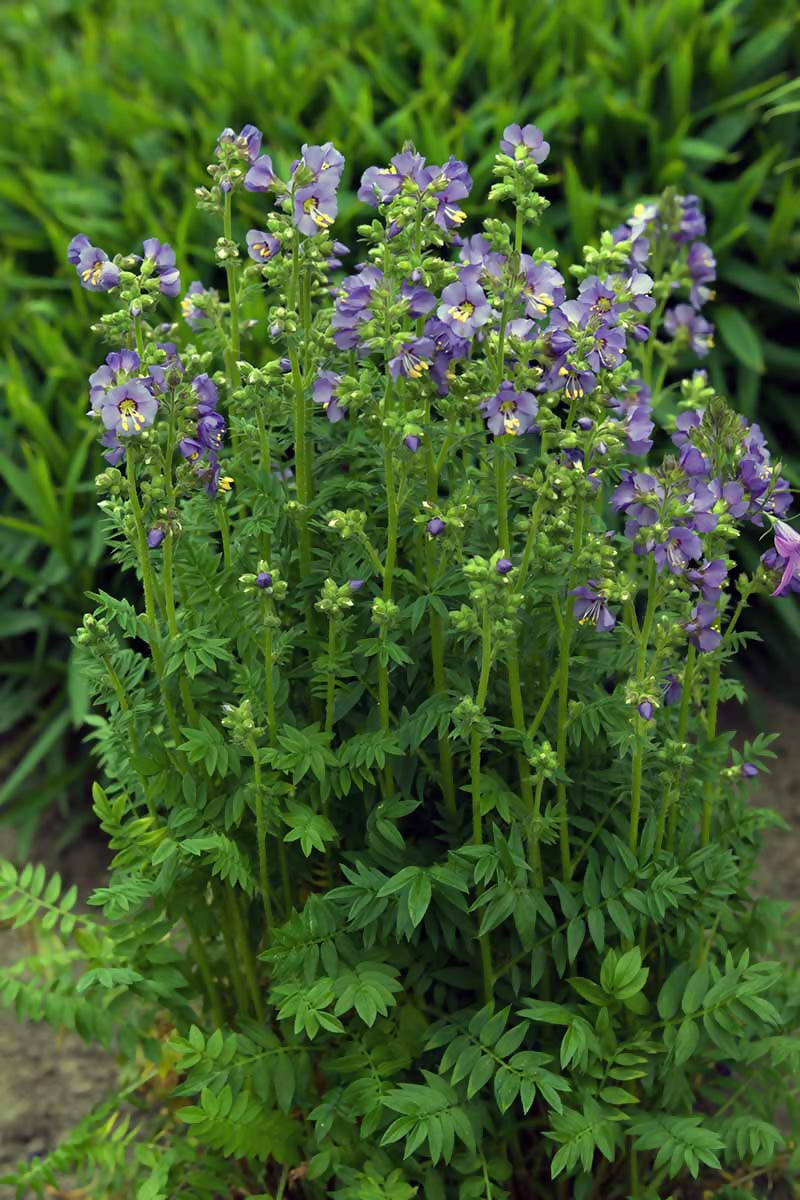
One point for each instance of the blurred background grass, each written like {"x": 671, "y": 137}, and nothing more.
{"x": 111, "y": 110}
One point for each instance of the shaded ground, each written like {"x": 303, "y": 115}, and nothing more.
{"x": 48, "y": 1081}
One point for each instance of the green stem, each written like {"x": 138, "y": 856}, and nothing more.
{"x": 523, "y": 766}
{"x": 225, "y": 534}
{"x": 300, "y": 446}
{"x": 230, "y": 271}
{"x": 535, "y": 853}
{"x": 172, "y": 625}
{"x": 501, "y": 479}
{"x": 475, "y": 781}
{"x": 563, "y": 702}
{"x": 246, "y": 955}
{"x": 670, "y": 798}
{"x": 261, "y": 834}
{"x": 545, "y": 704}
{"x": 204, "y": 967}
{"x": 148, "y": 582}
{"x": 638, "y": 754}
{"x": 711, "y": 733}
{"x": 227, "y": 924}
{"x": 272, "y": 726}
{"x": 330, "y": 693}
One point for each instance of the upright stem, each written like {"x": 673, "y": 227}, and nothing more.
{"x": 638, "y": 754}
{"x": 711, "y": 732}
{"x": 501, "y": 480}
{"x": 239, "y": 990}
{"x": 563, "y": 701}
{"x": 261, "y": 834}
{"x": 246, "y": 955}
{"x": 670, "y": 799}
{"x": 475, "y": 781}
{"x": 204, "y": 967}
{"x": 148, "y": 583}
{"x": 330, "y": 691}
{"x": 230, "y": 271}
{"x": 272, "y": 725}
{"x": 388, "y": 568}
{"x": 172, "y": 625}
{"x": 437, "y": 644}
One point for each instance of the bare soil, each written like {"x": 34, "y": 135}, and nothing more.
{"x": 49, "y": 1080}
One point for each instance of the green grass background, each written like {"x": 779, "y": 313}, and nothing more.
{"x": 110, "y": 112}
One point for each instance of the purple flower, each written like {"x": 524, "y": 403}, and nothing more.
{"x": 155, "y": 537}
{"x": 709, "y": 579}
{"x": 261, "y": 246}
{"x": 76, "y": 248}
{"x": 524, "y": 142}
{"x": 324, "y": 393}
{"x": 543, "y": 287}
{"x": 683, "y": 320}
{"x": 510, "y": 412}
{"x": 464, "y": 307}
{"x": 191, "y": 449}
{"x": 355, "y": 585}
{"x": 192, "y": 315}
{"x": 435, "y": 526}
{"x": 692, "y": 223}
{"x": 787, "y": 546}
{"x": 609, "y": 349}
{"x": 114, "y": 449}
{"x": 128, "y": 408}
{"x": 504, "y": 565}
{"x": 324, "y": 160}
{"x": 591, "y": 606}
{"x": 162, "y": 256}
{"x": 575, "y": 382}
{"x": 599, "y": 300}
{"x": 672, "y": 690}
{"x": 211, "y": 430}
{"x": 449, "y": 347}
{"x": 412, "y": 360}
{"x": 119, "y": 366}
{"x": 681, "y": 545}
{"x": 749, "y": 770}
{"x": 646, "y": 710}
{"x": 261, "y": 176}
{"x": 477, "y": 252}
{"x": 207, "y": 396}
{"x": 451, "y": 183}
{"x": 420, "y": 301}
{"x": 702, "y": 269}
{"x": 95, "y": 271}
{"x": 315, "y": 205}
{"x": 162, "y": 375}
{"x": 700, "y": 627}
{"x": 411, "y": 442}
{"x": 379, "y": 185}
{"x": 263, "y": 579}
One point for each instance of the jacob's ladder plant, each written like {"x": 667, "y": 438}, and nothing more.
{"x": 432, "y": 869}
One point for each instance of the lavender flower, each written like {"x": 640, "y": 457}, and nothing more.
{"x": 76, "y": 248}
{"x": 355, "y": 585}
{"x": 700, "y": 627}
{"x": 510, "y": 412}
{"x": 464, "y": 307}
{"x": 681, "y": 545}
{"x": 263, "y": 579}
{"x": 646, "y": 710}
{"x": 591, "y": 606}
{"x": 155, "y": 537}
{"x": 94, "y": 270}
{"x": 749, "y": 770}
{"x": 435, "y": 526}
{"x": 324, "y": 393}
{"x": 524, "y": 142}
{"x": 411, "y": 442}
{"x": 709, "y": 579}
{"x": 119, "y": 366}
{"x": 162, "y": 256}
{"x": 787, "y": 547}
{"x": 261, "y": 246}
{"x": 504, "y": 566}
{"x": 128, "y": 409}
{"x": 412, "y": 360}
{"x": 211, "y": 430}
{"x": 703, "y": 269}
{"x": 261, "y": 176}
{"x": 207, "y": 396}
{"x": 543, "y": 287}
{"x": 192, "y": 315}
{"x": 682, "y": 320}
{"x": 316, "y": 205}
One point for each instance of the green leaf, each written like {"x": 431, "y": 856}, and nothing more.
{"x": 740, "y": 337}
